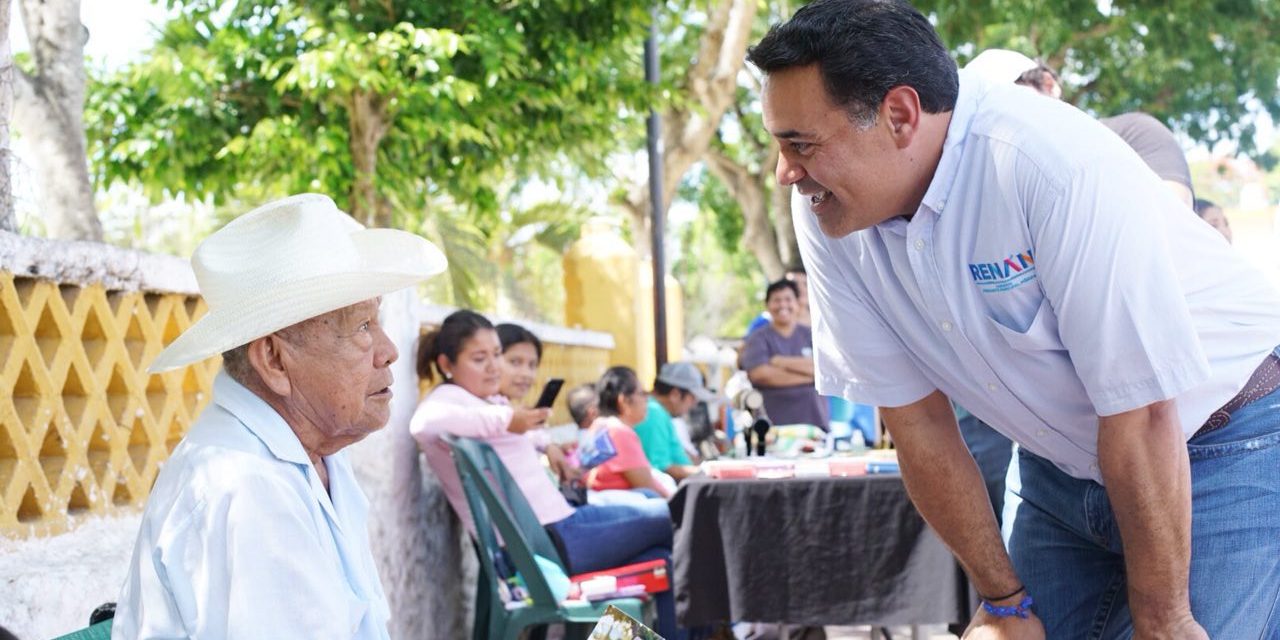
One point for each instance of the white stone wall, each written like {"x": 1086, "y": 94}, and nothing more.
{"x": 49, "y": 586}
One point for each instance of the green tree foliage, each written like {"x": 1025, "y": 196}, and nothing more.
{"x": 410, "y": 113}
{"x": 1194, "y": 64}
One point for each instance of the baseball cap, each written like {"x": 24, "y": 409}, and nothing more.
{"x": 684, "y": 375}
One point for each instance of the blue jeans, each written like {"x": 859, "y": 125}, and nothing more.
{"x": 599, "y": 537}
{"x": 992, "y": 451}
{"x": 1066, "y": 545}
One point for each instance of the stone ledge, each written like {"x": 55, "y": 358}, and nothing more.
{"x": 85, "y": 263}
{"x": 569, "y": 336}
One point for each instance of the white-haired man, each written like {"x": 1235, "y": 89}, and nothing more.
{"x": 256, "y": 527}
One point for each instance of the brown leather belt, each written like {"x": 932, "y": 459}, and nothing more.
{"x": 1265, "y": 379}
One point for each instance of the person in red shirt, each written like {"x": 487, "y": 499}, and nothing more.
{"x": 623, "y": 405}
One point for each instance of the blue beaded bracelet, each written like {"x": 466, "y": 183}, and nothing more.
{"x": 1022, "y": 609}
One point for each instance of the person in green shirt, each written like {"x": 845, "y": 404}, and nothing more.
{"x": 677, "y": 388}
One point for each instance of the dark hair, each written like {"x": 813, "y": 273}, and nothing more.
{"x": 456, "y": 329}
{"x": 616, "y": 383}
{"x": 513, "y": 334}
{"x": 775, "y": 287}
{"x": 580, "y": 399}
{"x": 863, "y": 48}
{"x": 1036, "y": 77}
{"x": 1201, "y": 206}
{"x": 661, "y": 388}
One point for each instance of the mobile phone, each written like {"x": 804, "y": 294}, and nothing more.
{"x": 549, "y": 393}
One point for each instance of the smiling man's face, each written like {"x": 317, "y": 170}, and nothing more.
{"x": 853, "y": 176}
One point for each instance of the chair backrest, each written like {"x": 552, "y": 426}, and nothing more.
{"x": 98, "y": 631}
{"x": 496, "y": 502}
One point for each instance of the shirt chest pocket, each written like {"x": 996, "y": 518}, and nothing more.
{"x": 1040, "y": 334}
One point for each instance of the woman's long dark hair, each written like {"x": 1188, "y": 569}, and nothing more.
{"x": 616, "y": 384}
{"x": 447, "y": 340}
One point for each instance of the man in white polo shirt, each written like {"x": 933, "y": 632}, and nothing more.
{"x": 979, "y": 242}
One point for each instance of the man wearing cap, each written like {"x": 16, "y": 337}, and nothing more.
{"x": 971, "y": 240}
{"x": 677, "y": 388}
{"x": 255, "y": 527}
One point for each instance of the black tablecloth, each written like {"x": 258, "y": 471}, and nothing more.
{"x": 810, "y": 551}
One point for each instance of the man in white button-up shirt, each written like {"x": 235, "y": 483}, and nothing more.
{"x": 256, "y": 527}
{"x": 982, "y": 243}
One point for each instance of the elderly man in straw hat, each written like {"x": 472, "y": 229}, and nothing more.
{"x": 255, "y": 527}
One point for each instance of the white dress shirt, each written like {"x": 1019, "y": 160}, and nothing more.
{"x": 1047, "y": 278}
{"x": 240, "y": 539}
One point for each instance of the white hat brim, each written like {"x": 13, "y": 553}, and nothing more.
{"x": 391, "y": 260}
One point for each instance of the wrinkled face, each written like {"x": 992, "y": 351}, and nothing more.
{"x": 478, "y": 368}
{"x": 853, "y": 176}
{"x": 519, "y": 368}
{"x": 782, "y": 306}
{"x": 339, "y": 371}
{"x": 1217, "y": 218}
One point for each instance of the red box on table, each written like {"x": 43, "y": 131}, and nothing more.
{"x": 652, "y": 574}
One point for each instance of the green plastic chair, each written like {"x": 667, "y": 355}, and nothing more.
{"x": 99, "y": 631}
{"x": 496, "y": 502}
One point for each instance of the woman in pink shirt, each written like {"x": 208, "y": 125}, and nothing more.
{"x": 623, "y": 405}
{"x": 465, "y": 352}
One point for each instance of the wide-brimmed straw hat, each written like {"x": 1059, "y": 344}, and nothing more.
{"x": 288, "y": 261}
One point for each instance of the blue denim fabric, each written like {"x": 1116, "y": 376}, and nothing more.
{"x": 599, "y": 537}
{"x": 1066, "y": 545}
{"x": 991, "y": 450}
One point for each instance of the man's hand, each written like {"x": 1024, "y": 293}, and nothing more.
{"x": 523, "y": 420}
{"x": 988, "y": 627}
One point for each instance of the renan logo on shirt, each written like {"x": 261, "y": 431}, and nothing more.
{"x": 1013, "y": 271}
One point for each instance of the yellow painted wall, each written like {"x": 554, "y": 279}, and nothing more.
{"x": 609, "y": 289}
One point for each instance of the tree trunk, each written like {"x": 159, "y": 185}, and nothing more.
{"x": 367, "y": 125}
{"x": 748, "y": 188}
{"x": 7, "y": 220}
{"x": 788, "y": 246}
{"x": 50, "y": 114}
{"x": 712, "y": 84}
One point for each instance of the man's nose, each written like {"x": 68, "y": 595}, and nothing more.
{"x": 788, "y": 172}
{"x": 386, "y": 349}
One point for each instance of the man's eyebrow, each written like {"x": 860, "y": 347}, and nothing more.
{"x": 790, "y": 133}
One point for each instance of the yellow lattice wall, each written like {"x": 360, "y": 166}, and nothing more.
{"x": 576, "y": 364}
{"x": 83, "y": 427}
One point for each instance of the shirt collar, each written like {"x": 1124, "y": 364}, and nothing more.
{"x": 259, "y": 418}
{"x": 972, "y": 90}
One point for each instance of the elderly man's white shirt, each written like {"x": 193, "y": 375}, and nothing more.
{"x": 240, "y": 539}
{"x": 1047, "y": 278}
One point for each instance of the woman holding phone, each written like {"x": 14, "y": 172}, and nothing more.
{"x": 467, "y": 354}
{"x": 521, "y": 355}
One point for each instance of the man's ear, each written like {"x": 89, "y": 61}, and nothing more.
{"x": 267, "y": 358}
{"x": 900, "y": 111}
